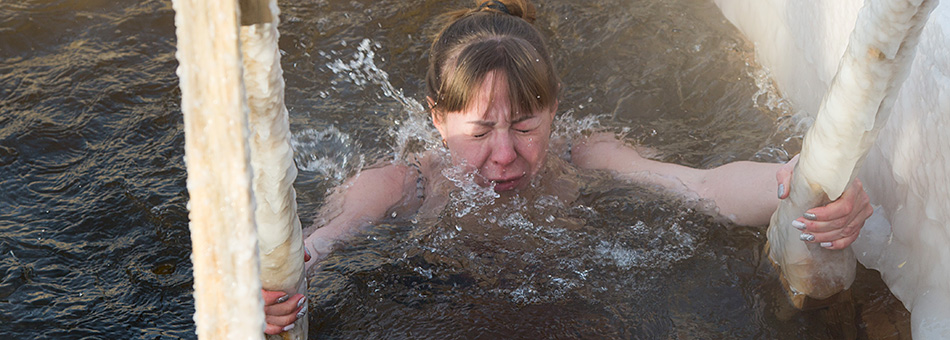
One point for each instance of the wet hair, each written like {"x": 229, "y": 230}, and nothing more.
{"x": 496, "y": 35}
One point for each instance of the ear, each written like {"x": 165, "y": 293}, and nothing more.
{"x": 435, "y": 118}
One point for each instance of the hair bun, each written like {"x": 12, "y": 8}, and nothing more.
{"x": 519, "y": 8}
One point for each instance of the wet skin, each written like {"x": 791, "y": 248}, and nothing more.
{"x": 503, "y": 152}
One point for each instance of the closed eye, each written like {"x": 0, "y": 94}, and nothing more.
{"x": 526, "y": 124}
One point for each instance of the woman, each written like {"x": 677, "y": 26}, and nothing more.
{"x": 492, "y": 94}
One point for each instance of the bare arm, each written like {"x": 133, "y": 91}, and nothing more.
{"x": 362, "y": 200}
{"x": 742, "y": 191}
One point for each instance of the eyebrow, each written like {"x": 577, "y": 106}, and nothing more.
{"x": 487, "y": 123}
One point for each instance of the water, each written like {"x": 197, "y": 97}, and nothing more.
{"x": 94, "y": 240}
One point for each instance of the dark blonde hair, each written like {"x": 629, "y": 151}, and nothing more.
{"x": 496, "y": 35}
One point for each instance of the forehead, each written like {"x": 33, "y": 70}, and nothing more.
{"x": 492, "y": 91}
{"x": 492, "y": 101}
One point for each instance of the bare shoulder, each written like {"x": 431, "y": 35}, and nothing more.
{"x": 389, "y": 181}
{"x": 603, "y": 150}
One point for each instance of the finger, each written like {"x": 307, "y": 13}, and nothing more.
{"x": 852, "y": 198}
{"x": 784, "y": 178}
{"x": 273, "y": 329}
{"x": 823, "y": 232}
{"x": 809, "y": 226}
{"x": 840, "y": 243}
{"x": 274, "y": 297}
{"x": 277, "y": 329}
{"x": 288, "y": 307}
{"x": 838, "y": 209}
{"x": 828, "y": 231}
{"x": 283, "y": 321}
{"x": 832, "y": 236}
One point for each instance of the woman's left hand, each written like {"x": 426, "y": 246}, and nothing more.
{"x": 835, "y": 225}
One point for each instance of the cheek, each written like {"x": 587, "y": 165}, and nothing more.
{"x": 469, "y": 153}
{"x": 533, "y": 148}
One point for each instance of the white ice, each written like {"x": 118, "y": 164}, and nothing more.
{"x": 907, "y": 171}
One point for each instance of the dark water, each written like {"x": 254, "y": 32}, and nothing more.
{"x": 94, "y": 240}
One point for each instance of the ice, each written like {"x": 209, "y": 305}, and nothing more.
{"x": 906, "y": 174}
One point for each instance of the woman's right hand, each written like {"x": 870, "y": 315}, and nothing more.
{"x": 281, "y": 310}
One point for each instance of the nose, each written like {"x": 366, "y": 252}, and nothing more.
{"x": 503, "y": 149}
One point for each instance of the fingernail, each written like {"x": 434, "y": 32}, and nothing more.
{"x": 798, "y": 224}
{"x": 282, "y": 299}
{"x": 306, "y": 251}
{"x": 301, "y": 301}
{"x": 302, "y": 312}
{"x": 289, "y": 327}
{"x": 810, "y": 216}
{"x": 807, "y": 237}
{"x": 781, "y": 190}
{"x": 826, "y": 244}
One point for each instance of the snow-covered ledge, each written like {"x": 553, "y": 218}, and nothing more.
{"x": 907, "y": 173}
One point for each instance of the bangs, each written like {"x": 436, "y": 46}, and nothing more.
{"x": 531, "y": 86}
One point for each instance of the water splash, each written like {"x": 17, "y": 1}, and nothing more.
{"x": 767, "y": 95}
{"x": 328, "y": 152}
{"x": 410, "y": 129}
{"x": 569, "y": 128}
{"x": 665, "y": 247}
{"x": 790, "y": 127}
{"x": 471, "y": 196}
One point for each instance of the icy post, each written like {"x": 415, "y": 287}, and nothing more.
{"x": 857, "y": 104}
{"x": 272, "y": 158}
{"x": 220, "y": 153}
{"x": 224, "y": 240}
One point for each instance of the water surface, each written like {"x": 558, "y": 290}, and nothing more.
{"x": 94, "y": 240}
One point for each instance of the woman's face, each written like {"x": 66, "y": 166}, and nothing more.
{"x": 483, "y": 137}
